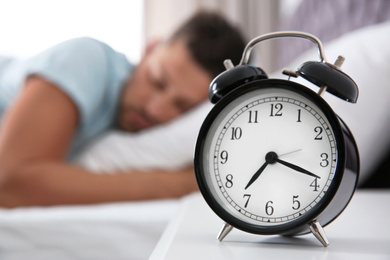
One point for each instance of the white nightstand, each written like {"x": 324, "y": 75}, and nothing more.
{"x": 362, "y": 231}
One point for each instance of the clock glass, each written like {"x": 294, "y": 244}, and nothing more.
{"x": 269, "y": 156}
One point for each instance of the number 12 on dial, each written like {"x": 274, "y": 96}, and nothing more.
{"x": 267, "y": 157}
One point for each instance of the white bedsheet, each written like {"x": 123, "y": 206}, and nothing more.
{"x": 107, "y": 231}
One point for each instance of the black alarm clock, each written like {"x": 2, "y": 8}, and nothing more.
{"x": 272, "y": 157}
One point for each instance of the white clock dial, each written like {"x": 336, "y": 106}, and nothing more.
{"x": 270, "y": 156}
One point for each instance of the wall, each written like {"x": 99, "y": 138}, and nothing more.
{"x": 254, "y": 17}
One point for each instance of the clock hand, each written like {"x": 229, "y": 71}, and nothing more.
{"x": 256, "y": 175}
{"x": 270, "y": 157}
{"x": 297, "y": 168}
{"x": 298, "y": 150}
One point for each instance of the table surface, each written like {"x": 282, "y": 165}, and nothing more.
{"x": 362, "y": 231}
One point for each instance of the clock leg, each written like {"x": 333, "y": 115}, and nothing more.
{"x": 319, "y": 232}
{"x": 224, "y": 231}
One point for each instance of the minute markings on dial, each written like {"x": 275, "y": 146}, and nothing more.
{"x": 258, "y": 139}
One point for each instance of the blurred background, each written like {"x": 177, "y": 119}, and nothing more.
{"x": 127, "y": 231}
{"x": 28, "y": 27}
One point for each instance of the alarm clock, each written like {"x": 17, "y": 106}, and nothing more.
{"x": 272, "y": 157}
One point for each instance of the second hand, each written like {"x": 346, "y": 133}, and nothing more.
{"x": 298, "y": 150}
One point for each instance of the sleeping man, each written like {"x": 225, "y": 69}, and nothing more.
{"x": 54, "y": 104}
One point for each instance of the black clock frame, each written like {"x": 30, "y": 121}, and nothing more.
{"x": 340, "y": 190}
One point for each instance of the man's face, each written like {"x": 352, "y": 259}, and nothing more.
{"x": 167, "y": 83}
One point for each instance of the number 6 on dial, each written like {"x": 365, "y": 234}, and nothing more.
{"x": 272, "y": 157}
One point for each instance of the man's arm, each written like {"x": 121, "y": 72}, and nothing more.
{"x": 35, "y": 136}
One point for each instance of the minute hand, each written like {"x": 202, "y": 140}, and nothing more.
{"x": 297, "y": 168}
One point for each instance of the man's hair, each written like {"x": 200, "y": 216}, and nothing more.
{"x": 211, "y": 39}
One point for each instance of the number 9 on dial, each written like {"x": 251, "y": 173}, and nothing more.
{"x": 272, "y": 157}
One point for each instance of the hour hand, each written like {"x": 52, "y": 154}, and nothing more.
{"x": 256, "y": 175}
{"x": 297, "y": 168}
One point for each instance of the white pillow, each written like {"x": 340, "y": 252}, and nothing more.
{"x": 171, "y": 146}
{"x": 168, "y": 147}
{"x": 367, "y": 56}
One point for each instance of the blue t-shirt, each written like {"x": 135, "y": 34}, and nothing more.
{"x": 89, "y": 71}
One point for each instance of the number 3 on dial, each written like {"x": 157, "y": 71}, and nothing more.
{"x": 267, "y": 157}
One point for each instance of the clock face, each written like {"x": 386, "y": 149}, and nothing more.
{"x": 269, "y": 157}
